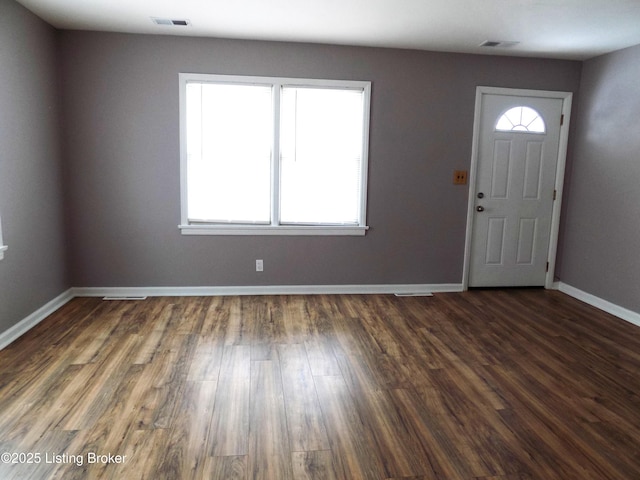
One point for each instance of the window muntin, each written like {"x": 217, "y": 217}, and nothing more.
{"x": 521, "y": 119}
{"x": 264, "y": 155}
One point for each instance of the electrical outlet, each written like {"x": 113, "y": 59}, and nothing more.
{"x": 259, "y": 266}
{"x": 459, "y": 177}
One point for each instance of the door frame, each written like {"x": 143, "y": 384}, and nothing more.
{"x": 567, "y": 98}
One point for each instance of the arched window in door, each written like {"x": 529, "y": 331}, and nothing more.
{"x": 521, "y": 119}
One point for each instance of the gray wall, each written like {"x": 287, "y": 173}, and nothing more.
{"x": 121, "y": 148}
{"x": 33, "y": 270}
{"x": 600, "y": 250}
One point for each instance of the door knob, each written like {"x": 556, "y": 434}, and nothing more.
{"x": 480, "y": 208}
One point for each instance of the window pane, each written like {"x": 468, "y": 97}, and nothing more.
{"x": 321, "y": 155}
{"x": 229, "y": 139}
{"x": 521, "y": 119}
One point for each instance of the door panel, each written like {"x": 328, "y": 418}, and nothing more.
{"x": 526, "y": 241}
{"x": 516, "y": 178}
{"x": 533, "y": 171}
{"x": 495, "y": 241}
{"x": 500, "y": 170}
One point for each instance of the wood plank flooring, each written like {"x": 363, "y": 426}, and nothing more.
{"x": 487, "y": 384}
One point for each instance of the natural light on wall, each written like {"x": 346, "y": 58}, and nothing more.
{"x": 265, "y": 155}
{"x": 3, "y": 247}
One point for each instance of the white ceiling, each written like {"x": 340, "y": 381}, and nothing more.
{"x": 569, "y": 29}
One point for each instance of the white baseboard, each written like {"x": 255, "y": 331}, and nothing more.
{"x": 265, "y": 290}
{"x": 26, "y": 324}
{"x": 620, "y": 312}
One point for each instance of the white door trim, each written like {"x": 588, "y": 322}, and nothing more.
{"x": 562, "y": 160}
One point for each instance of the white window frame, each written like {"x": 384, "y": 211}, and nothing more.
{"x": 275, "y": 228}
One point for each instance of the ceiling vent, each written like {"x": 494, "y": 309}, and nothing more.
{"x": 171, "y": 22}
{"x": 498, "y": 44}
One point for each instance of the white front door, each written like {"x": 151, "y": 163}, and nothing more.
{"x": 517, "y": 157}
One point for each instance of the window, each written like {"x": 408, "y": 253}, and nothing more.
{"x": 274, "y": 156}
{"x": 521, "y": 119}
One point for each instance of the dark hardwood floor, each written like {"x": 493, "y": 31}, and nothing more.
{"x": 497, "y": 384}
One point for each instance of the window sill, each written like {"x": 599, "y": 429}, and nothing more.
{"x": 300, "y": 230}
